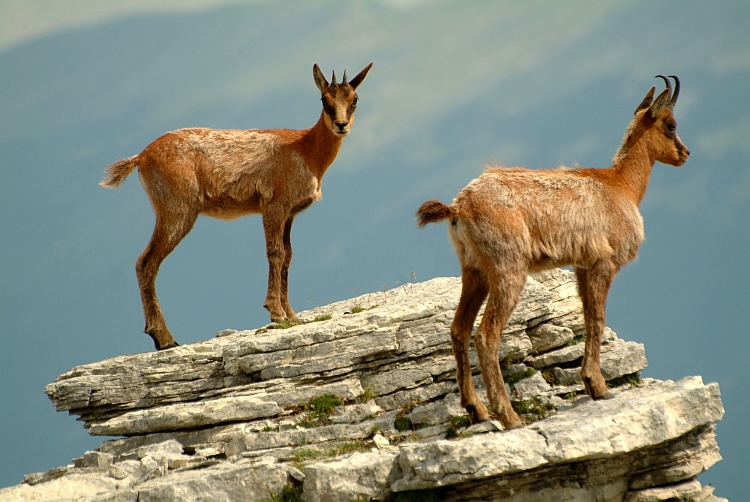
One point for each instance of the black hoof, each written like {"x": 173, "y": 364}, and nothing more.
{"x": 473, "y": 415}
{"x": 168, "y": 346}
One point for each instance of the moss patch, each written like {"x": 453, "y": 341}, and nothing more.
{"x": 403, "y": 423}
{"x": 576, "y": 340}
{"x": 531, "y": 410}
{"x": 513, "y": 379}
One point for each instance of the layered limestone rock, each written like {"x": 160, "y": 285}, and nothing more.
{"x": 239, "y": 417}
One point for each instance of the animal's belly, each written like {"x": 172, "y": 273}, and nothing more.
{"x": 229, "y": 209}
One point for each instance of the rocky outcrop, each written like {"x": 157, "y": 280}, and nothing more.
{"x": 360, "y": 402}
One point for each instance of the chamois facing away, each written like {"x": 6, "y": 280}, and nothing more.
{"x": 231, "y": 173}
{"x": 511, "y": 221}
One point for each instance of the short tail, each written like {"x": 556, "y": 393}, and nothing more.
{"x": 117, "y": 172}
{"x": 434, "y": 211}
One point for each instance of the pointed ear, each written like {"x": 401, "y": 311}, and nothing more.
{"x": 646, "y": 101}
{"x": 660, "y": 102}
{"x": 320, "y": 80}
{"x": 360, "y": 77}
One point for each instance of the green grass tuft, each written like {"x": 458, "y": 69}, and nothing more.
{"x": 531, "y": 410}
{"x": 456, "y": 423}
{"x": 576, "y": 340}
{"x": 513, "y": 379}
{"x": 403, "y": 423}
{"x": 319, "y": 409}
{"x": 632, "y": 379}
{"x": 366, "y": 395}
{"x": 292, "y": 492}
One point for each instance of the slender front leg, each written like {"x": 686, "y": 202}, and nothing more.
{"x": 594, "y": 284}
{"x": 274, "y": 219}
{"x": 473, "y": 293}
{"x": 285, "y": 270}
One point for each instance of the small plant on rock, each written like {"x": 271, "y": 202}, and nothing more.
{"x": 456, "y": 423}
{"x": 319, "y": 409}
{"x": 513, "y": 379}
{"x": 576, "y": 340}
{"x": 402, "y": 423}
{"x": 291, "y": 492}
{"x": 531, "y": 410}
{"x": 366, "y": 395}
{"x": 632, "y": 379}
{"x": 548, "y": 376}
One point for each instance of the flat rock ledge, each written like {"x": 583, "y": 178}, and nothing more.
{"x": 234, "y": 417}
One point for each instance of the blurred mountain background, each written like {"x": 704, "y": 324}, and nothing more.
{"x": 454, "y": 86}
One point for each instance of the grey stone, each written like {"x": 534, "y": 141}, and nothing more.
{"x": 218, "y": 420}
{"x": 482, "y": 427}
{"x": 168, "y": 447}
{"x": 380, "y": 441}
{"x": 241, "y": 480}
{"x": 431, "y": 432}
{"x": 78, "y": 486}
{"x": 438, "y": 412}
{"x": 226, "y": 332}
{"x": 563, "y": 355}
{"x": 355, "y": 413}
{"x": 548, "y": 336}
{"x": 535, "y": 385}
{"x": 361, "y": 475}
{"x": 122, "y": 470}
{"x": 296, "y": 474}
{"x": 186, "y": 416}
{"x": 617, "y": 359}
{"x": 116, "y": 396}
{"x": 630, "y": 421}
{"x": 622, "y": 358}
{"x": 681, "y": 491}
{"x": 97, "y": 460}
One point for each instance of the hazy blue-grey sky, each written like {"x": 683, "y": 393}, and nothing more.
{"x": 455, "y": 85}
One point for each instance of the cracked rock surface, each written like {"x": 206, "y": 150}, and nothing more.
{"x": 236, "y": 417}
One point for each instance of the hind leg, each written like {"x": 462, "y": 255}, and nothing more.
{"x": 503, "y": 298}
{"x": 473, "y": 293}
{"x": 168, "y": 232}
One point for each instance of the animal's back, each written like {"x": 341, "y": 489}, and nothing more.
{"x": 227, "y": 172}
{"x": 556, "y": 216}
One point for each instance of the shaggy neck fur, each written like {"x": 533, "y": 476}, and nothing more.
{"x": 634, "y": 161}
{"x": 319, "y": 147}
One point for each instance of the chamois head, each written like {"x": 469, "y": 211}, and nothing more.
{"x": 339, "y": 100}
{"x": 654, "y": 125}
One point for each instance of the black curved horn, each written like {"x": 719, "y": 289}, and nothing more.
{"x": 676, "y": 91}
{"x": 666, "y": 80}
